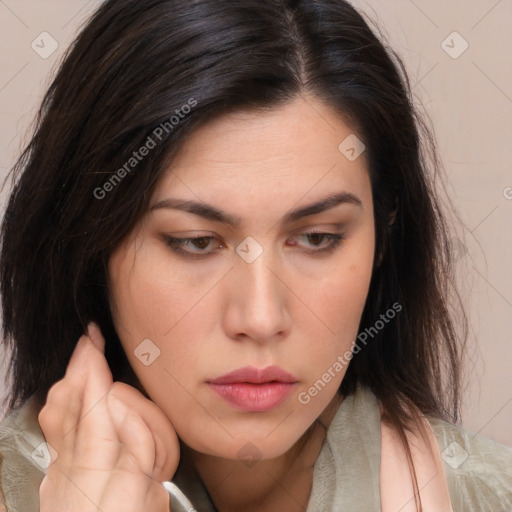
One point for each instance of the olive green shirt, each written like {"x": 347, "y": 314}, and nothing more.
{"x": 346, "y": 474}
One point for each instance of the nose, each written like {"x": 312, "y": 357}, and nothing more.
{"x": 258, "y": 300}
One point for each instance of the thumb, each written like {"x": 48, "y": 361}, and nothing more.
{"x": 94, "y": 334}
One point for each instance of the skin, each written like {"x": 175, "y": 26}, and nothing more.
{"x": 212, "y": 314}
{"x": 103, "y": 451}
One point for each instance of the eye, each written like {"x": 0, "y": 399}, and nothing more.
{"x": 200, "y": 243}
{"x": 317, "y": 237}
{"x": 198, "y": 246}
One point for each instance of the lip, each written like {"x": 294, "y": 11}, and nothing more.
{"x": 254, "y": 375}
{"x": 254, "y": 390}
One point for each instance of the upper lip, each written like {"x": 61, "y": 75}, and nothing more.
{"x": 254, "y": 375}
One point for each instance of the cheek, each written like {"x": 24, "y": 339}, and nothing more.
{"x": 339, "y": 297}
{"x": 152, "y": 310}
{"x": 338, "y": 302}
{"x": 147, "y": 299}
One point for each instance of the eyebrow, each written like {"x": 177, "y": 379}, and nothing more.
{"x": 212, "y": 213}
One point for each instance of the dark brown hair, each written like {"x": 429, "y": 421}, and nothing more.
{"x": 133, "y": 66}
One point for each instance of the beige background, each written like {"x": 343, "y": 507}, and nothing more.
{"x": 469, "y": 99}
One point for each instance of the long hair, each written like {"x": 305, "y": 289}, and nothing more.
{"x": 138, "y": 69}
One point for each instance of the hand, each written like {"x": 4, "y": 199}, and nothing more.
{"x": 114, "y": 447}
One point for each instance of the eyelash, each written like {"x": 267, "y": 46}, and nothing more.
{"x": 176, "y": 244}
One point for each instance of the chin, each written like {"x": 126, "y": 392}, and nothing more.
{"x": 245, "y": 446}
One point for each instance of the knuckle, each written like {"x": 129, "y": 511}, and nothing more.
{"x": 58, "y": 393}
{"x": 122, "y": 390}
{"x": 54, "y": 399}
{"x": 46, "y": 419}
{"x": 59, "y": 408}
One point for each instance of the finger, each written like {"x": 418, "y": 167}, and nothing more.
{"x": 94, "y": 334}
{"x": 64, "y": 401}
{"x": 97, "y": 443}
{"x": 165, "y": 439}
{"x": 59, "y": 417}
{"x": 98, "y": 377}
{"x": 70, "y": 399}
{"x": 138, "y": 446}
{"x": 76, "y": 368}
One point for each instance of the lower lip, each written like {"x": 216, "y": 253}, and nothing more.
{"x": 254, "y": 397}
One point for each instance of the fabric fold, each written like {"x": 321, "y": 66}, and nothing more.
{"x": 346, "y": 474}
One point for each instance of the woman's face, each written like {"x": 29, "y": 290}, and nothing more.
{"x": 258, "y": 293}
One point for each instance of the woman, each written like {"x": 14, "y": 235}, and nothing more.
{"x": 224, "y": 267}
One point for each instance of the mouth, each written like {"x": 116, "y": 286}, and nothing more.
{"x": 254, "y": 390}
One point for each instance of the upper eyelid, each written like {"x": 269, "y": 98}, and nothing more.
{"x": 301, "y": 233}
{"x": 181, "y": 241}
{"x": 334, "y": 229}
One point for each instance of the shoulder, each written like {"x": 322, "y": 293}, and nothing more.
{"x": 478, "y": 469}
{"x": 23, "y": 460}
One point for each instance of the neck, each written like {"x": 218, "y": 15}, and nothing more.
{"x": 281, "y": 483}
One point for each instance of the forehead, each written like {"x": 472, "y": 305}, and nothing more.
{"x": 285, "y": 152}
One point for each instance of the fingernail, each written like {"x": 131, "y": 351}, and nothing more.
{"x": 94, "y": 334}
{"x": 90, "y": 327}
